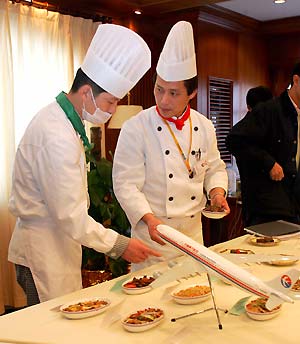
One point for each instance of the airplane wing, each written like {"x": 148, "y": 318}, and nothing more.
{"x": 186, "y": 268}
{"x": 259, "y": 258}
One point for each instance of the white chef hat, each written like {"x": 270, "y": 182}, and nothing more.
{"x": 116, "y": 59}
{"x": 177, "y": 60}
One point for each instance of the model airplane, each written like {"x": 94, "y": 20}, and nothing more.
{"x": 216, "y": 264}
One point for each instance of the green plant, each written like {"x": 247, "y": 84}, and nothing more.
{"x": 104, "y": 208}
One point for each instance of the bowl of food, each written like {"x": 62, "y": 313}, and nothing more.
{"x": 264, "y": 241}
{"x": 143, "y": 319}
{"x": 137, "y": 285}
{"x": 191, "y": 294}
{"x": 256, "y": 309}
{"x": 84, "y": 308}
{"x": 214, "y": 212}
{"x": 296, "y": 287}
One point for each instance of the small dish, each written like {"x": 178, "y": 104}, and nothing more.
{"x": 286, "y": 260}
{"x": 264, "y": 241}
{"x": 143, "y": 320}
{"x": 84, "y": 308}
{"x": 256, "y": 310}
{"x": 296, "y": 287}
{"x": 137, "y": 285}
{"x": 192, "y": 294}
{"x": 214, "y": 214}
{"x": 236, "y": 251}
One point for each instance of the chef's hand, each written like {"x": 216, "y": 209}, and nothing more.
{"x": 137, "y": 252}
{"x": 217, "y": 198}
{"x": 152, "y": 221}
{"x": 276, "y": 172}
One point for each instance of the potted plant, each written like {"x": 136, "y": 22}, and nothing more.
{"x": 105, "y": 209}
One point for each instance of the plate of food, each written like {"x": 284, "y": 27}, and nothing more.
{"x": 143, "y": 319}
{"x": 236, "y": 251}
{"x": 296, "y": 286}
{"x": 264, "y": 241}
{"x": 214, "y": 212}
{"x": 256, "y": 309}
{"x": 84, "y": 308}
{"x": 191, "y": 294}
{"x": 137, "y": 285}
{"x": 286, "y": 260}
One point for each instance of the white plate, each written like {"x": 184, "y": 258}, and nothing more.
{"x": 85, "y": 313}
{"x": 145, "y": 326}
{"x": 286, "y": 260}
{"x": 185, "y": 300}
{"x": 262, "y": 316}
{"x": 256, "y": 241}
{"x": 137, "y": 290}
{"x": 214, "y": 214}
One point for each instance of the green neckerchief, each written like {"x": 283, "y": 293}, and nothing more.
{"x": 74, "y": 118}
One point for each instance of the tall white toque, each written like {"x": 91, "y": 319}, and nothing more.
{"x": 177, "y": 60}
{"x": 116, "y": 59}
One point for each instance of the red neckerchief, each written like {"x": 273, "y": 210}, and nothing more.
{"x": 179, "y": 122}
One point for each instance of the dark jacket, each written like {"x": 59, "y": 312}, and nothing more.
{"x": 264, "y": 136}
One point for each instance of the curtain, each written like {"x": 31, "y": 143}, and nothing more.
{"x": 40, "y": 52}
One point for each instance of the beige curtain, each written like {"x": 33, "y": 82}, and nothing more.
{"x": 39, "y": 53}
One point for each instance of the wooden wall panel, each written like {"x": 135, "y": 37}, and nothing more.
{"x": 252, "y": 70}
{"x": 216, "y": 56}
{"x": 284, "y": 52}
{"x": 240, "y": 57}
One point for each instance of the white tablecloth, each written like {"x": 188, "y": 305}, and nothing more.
{"x": 40, "y": 324}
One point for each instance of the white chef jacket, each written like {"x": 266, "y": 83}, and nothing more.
{"x": 149, "y": 175}
{"x": 50, "y": 200}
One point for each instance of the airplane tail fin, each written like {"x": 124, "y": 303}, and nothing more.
{"x": 282, "y": 283}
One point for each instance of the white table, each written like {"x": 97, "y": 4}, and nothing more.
{"x": 40, "y": 324}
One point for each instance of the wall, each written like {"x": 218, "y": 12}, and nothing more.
{"x": 228, "y": 45}
{"x": 228, "y": 52}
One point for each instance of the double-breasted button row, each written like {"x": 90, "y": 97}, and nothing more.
{"x": 171, "y": 198}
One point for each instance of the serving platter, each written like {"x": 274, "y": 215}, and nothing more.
{"x": 143, "y": 319}
{"x": 84, "y": 308}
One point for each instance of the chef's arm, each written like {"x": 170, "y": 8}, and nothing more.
{"x": 151, "y": 221}
{"x": 132, "y": 250}
{"x": 217, "y": 197}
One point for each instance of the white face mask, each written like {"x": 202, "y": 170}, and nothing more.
{"x": 98, "y": 117}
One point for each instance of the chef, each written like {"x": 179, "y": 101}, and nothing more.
{"x": 49, "y": 192}
{"x": 166, "y": 162}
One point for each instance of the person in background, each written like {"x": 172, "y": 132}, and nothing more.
{"x": 268, "y": 139}
{"x": 254, "y": 96}
{"x": 166, "y": 159}
{"x": 257, "y": 95}
{"x": 49, "y": 190}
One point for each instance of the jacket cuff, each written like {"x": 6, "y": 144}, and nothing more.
{"x": 119, "y": 247}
